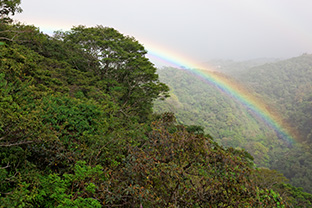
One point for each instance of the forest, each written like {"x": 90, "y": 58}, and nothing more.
{"x": 78, "y": 128}
{"x": 284, "y": 84}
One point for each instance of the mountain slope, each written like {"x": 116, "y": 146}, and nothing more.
{"x": 228, "y": 121}
{"x": 286, "y": 85}
{"x": 77, "y": 130}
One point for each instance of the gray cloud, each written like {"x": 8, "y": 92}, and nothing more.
{"x": 203, "y": 30}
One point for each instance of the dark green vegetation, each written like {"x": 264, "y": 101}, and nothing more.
{"x": 285, "y": 85}
{"x": 77, "y": 130}
{"x": 7, "y": 8}
{"x": 288, "y": 85}
{"x": 196, "y": 102}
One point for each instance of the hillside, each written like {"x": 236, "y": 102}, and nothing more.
{"x": 77, "y": 129}
{"x": 228, "y": 121}
{"x": 286, "y": 85}
{"x": 233, "y": 68}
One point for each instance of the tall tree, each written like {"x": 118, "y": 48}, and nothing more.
{"x": 7, "y": 8}
{"x": 120, "y": 63}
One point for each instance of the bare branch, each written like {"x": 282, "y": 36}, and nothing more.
{"x": 8, "y": 165}
{"x": 15, "y": 31}
{"x": 4, "y": 38}
{"x": 16, "y": 144}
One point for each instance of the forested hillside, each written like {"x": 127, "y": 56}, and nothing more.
{"x": 197, "y": 103}
{"x": 232, "y": 68}
{"x": 286, "y": 85}
{"x": 77, "y": 129}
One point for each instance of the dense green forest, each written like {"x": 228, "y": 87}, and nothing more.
{"x": 286, "y": 85}
{"x": 77, "y": 129}
{"x": 197, "y": 103}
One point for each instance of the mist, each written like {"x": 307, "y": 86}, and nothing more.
{"x": 200, "y": 30}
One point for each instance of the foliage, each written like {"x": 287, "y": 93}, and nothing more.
{"x": 185, "y": 169}
{"x": 296, "y": 196}
{"x": 119, "y": 61}
{"x": 53, "y": 190}
{"x": 286, "y": 85}
{"x": 296, "y": 165}
{"x": 9, "y": 7}
{"x": 271, "y": 179}
{"x": 77, "y": 130}
{"x": 197, "y": 103}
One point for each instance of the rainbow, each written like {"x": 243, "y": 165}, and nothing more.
{"x": 233, "y": 89}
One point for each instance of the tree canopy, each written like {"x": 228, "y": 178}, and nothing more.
{"x": 9, "y": 7}
{"x": 77, "y": 130}
{"x": 285, "y": 85}
{"x": 119, "y": 61}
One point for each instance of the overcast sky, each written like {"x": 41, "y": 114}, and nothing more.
{"x": 198, "y": 29}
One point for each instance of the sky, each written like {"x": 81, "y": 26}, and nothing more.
{"x": 197, "y": 30}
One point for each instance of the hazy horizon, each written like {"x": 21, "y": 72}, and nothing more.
{"x": 199, "y": 30}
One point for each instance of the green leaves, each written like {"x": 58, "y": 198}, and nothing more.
{"x": 72, "y": 117}
{"x": 9, "y": 7}
{"x": 119, "y": 60}
{"x": 178, "y": 168}
{"x": 76, "y": 130}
